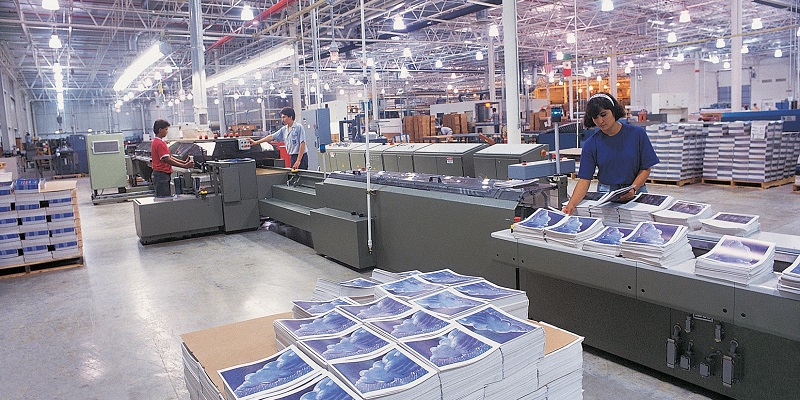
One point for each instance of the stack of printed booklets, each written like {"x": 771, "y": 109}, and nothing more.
{"x": 573, "y": 230}
{"x": 358, "y": 289}
{"x": 533, "y": 226}
{"x": 723, "y": 223}
{"x": 583, "y": 209}
{"x": 683, "y": 212}
{"x": 407, "y": 288}
{"x": 384, "y": 276}
{"x": 514, "y": 302}
{"x": 657, "y": 244}
{"x": 640, "y": 208}
{"x": 312, "y": 308}
{"x": 789, "y": 280}
{"x": 607, "y": 241}
{"x": 561, "y": 368}
{"x": 737, "y": 259}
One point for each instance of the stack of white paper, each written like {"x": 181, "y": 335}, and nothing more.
{"x": 407, "y": 288}
{"x": 589, "y": 200}
{"x": 358, "y": 289}
{"x": 514, "y": 302}
{"x": 447, "y": 277}
{"x": 573, "y": 230}
{"x": 607, "y": 241}
{"x": 737, "y": 259}
{"x": 657, "y": 244}
{"x": 683, "y": 212}
{"x": 305, "y": 309}
{"x": 326, "y": 386}
{"x": 391, "y": 374}
{"x": 607, "y": 212}
{"x": 533, "y": 226}
{"x": 465, "y": 361}
{"x": 271, "y": 377}
{"x": 731, "y": 224}
{"x": 789, "y": 280}
{"x": 361, "y": 342}
{"x": 383, "y": 308}
{"x": 384, "y": 276}
{"x": 640, "y": 208}
{"x": 414, "y": 323}
{"x": 289, "y": 331}
{"x": 520, "y": 341}
{"x": 448, "y": 304}
{"x": 561, "y": 368}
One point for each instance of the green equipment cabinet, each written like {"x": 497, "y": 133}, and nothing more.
{"x": 106, "y": 158}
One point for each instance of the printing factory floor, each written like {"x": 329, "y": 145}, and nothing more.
{"x": 110, "y": 329}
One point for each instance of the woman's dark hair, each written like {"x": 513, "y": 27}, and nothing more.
{"x": 598, "y": 103}
{"x": 289, "y": 112}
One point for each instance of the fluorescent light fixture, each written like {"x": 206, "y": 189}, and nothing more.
{"x": 247, "y": 13}
{"x": 685, "y": 17}
{"x": 439, "y": 64}
{"x": 720, "y": 43}
{"x": 571, "y": 37}
{"x": 51, "y": 5}
{"x": 680, "y": 57}
{"x": 493, "y": 31}
{"x": 146, "y": 59}
{"x": 756, "y": 24}
{"x": 745, "y": 49}
{"x": 778, "y": 53}
{"x": 268, "y": 57}
{"x": 672, "y": 37}
{"x": 398, "y": 23}
{"x": 55, "y": 42}
{"x": 407, "y": 52}
{"x": 607, "y": 5}
{"x": 479, "y": 55}
{"x": 333, "y": 52}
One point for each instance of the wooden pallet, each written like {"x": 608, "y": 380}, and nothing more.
{"x": 679, "y": 183}
{"x": 796, "y": 188}
{"x": 13, "y": 271}
{"x": 68, "y": 176}
{"x": 755, "y": 184}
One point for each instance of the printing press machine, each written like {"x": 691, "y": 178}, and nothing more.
{"x": 742, "y": 341}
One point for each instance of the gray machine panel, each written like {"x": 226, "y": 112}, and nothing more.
{"x": 454, "y": 159}
{"x": 763, "y": 311}
{"x": 376, "y": 156}
{"x": 341, "y": 236}
{"x": 606, "y": 273}
{"x": 175, "y": 219}
{"x": 398, "y": 158}
{"x": 686, "y": 292}
{"x": 339, "y": 155}
{"x": 358, "y": 159}
{"x": 493, "y": 161}
{"x": 239, "y": 189}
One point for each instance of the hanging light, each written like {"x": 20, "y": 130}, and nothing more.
{"x": 352, "y": 80}
{"x": 383, "y": 91}
{"x": 680, "y": 57}
{"x": 170, "y": 103}
{"x": 627, "y": 69}
{"x": 247, "y": 93}
{"x": 377, "y": 76}
{"x": 599, "y": 78}
{"x": 314, "y": 75}
{"x": 240, "y": 81}
{"x": 551, "y": 78}
{"x": 685, "y": 17}
{"x": 607, "y": 5}
{"x": 590, "y": 69}
{"x": 630, "y": 63}
{"x": 726, "y": 65}
{"x": 672, "y": 37}
{"x": 407, "y": 52}
{"x": 148, "y": 82}
{"x": 57, "y": 67}
{"x": 55, "y": 42}
{"x": 666, "y": 65}
{"x": 659, "y": 71}
{"x": 216, "y": 101}
{"x": 167, "y": 69}
{"x": 398, "y": 23}
{"x": 312, "y": 89}
{"x": 140, "y": 87}
{"x": 189, "y": 96}
{"x": 177, "y": 101}
{"x": 247, "y": 13}
{"x": 439, "y": 64}
{"x": 587, "y": 73}
{"x": 559, "y": 55}
{"x": 236, "y": 96}
{"x": 778, "y": 53}
{"x": 333, "y": 52}
{"x": 570, "y": 37}
{"x": 449, "y": 87}
{"x": 258, "y": 100}
{"x": 341, "y": 91}
{"x": 257, "y": 75}
{"x": 714, "y": 59}
{"x": 370, "y": 62}
{"x": 756, "y": 24}
{"x": 51, "y": 5}
{"x": 271, "y": 86}
{"x": 720, "y": 43}
{"x": 157, "y": 76}
{"x": 453, "y": 75}
{"x": 493, "y": 31}
{"x": 479, "y": 55}
{"x": 745, "y": 49}
{"x": 326, "y": 86}
{"x": 404, "y": 72}
{"x": 283, "y": 94}
{"x": 260, "y": 90}
{"x": 455, "y": 90}
{"x": 339, "y": 69}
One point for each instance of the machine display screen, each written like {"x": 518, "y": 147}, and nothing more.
{"x": 105, "y": 147}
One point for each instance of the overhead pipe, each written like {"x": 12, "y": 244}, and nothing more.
{"x": 274, "y": 9}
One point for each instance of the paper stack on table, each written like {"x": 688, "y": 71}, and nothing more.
{"x": 514, "y": 302}
{"x": 383, "y": 308}
{"x": 731, "y": 224}
{"x": 607, "y": 241}
{"x": 407, "y": 288}
{"x": 448, "y": 304}
{"x": 270, "y": 377}
{"x": 416, "y": 322}
{"x": 360, "y": 342}
{"x": 657, "y": 244}
{"x": 683, "y": 212}
{"x": 335, "y": 322}
{"x": 583, "y": 209}
{"x": 384, "y": 276}
{"x": 359, "y": 289}
{"x": 305, "y": 309}
{"x": 640, "y": 208}
{"x": 533, "y": 226}
{"x": 573, "y": 230}
{"x": 447, "y": 277}
{"x": 737, "y": 259}
{"x": 789, "y": 280}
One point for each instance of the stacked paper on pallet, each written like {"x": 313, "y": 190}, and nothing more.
{"x": 311, "y": 308}
{"x": 514, "y": 302}
{"x": 289, "y": 331}
{"x": 359, "y": 289}
{"x": 271, "y": 377}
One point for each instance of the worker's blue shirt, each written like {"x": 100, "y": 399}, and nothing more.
{"x": 292, "y": 137}
{"x": 618, "y": 158}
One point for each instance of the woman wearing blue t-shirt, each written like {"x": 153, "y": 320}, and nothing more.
{"x": 622, "y": 153}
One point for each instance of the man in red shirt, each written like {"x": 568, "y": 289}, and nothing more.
{"x": 163, "y": 161}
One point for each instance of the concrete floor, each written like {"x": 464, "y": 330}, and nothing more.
{"x": 110, "y": 329}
